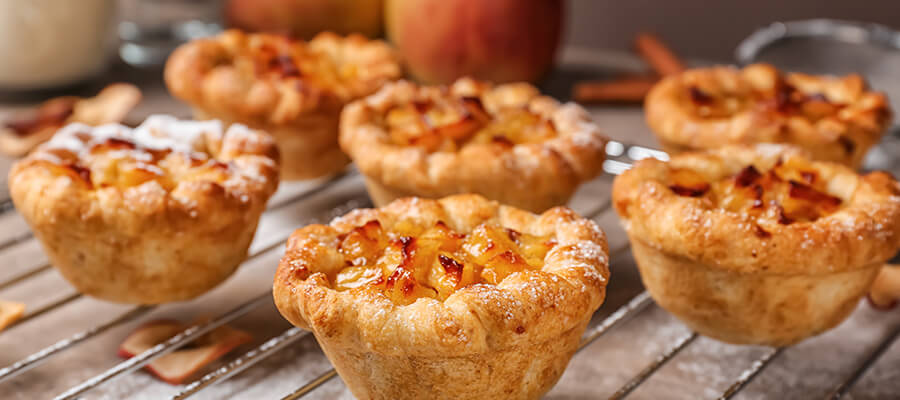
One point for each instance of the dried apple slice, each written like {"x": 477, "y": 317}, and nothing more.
{"x": 177, "y": 366}
{"x": 885, "y": 291}
{"x": 112, "y": 104}
{"x": 10, "y": 312}
{"x": 21, "y": 134}
{"x": 24, "y": 132}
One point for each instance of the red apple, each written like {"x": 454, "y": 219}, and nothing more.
{"x": 177, "y": 366}
{"x": 306, "y": 18}
{"x": 496, "y": 40}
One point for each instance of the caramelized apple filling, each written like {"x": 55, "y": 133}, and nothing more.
{"x": 788, "y": 193}
{"x": 409, "y": 262}
{"x": 449, "y": 124}
{"x": 121, "y": 162}
{"x": 758, "y": 86}
{"x": 283, "y": 58}
{"x": 706, "y": 103}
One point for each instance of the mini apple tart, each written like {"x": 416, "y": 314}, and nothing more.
{"x": 834, "y": 118}
{"x": 758, "y": 245}
{"x": 508, "y": 143}
{"x": 290, "y": 88}
{"x": 457, "y": 298}
{"x": 160, "y": 213}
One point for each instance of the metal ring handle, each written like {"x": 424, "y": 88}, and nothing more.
{"x": 843, "y": 31}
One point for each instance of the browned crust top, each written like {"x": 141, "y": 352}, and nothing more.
{"x": 865, "y": 229}
{"x": 532, "y": 305}
{"x": 834, "y": 117}
{"x": 572, "y": 155}
{"x": 264, "y": 78}
{"x": 163, "y": 170}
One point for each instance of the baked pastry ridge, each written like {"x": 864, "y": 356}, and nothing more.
{"x": 506, "y": 142}
{"x": 758, "y": 244}
{"x": 834, "y": 118}
{"x": 452, "y": 298}
{"x": 159, "y": 213}
{"x": 290, "y": 88}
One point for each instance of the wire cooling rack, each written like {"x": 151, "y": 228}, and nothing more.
{"x": 20, "y": 377}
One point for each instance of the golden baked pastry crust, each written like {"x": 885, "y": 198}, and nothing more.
{"x": 834, "y": 118}
{"x": 290, "y": 88}
{"x": 761, "y": 274}
{"x": 508, "y": 143}
{"x": 160, "y": 213}
{"x": 509, "y": 340}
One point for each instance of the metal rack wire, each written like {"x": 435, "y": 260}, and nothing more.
{"x": 620, "y": 157}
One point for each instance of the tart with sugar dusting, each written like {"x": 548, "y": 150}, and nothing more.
{"x": 290, "y": 88}
{"x": 23, "y": 132}
{"x": 457, "y": 298}
{"x": 160, "y": 213}
{"x": 508, "y": 143}
{"x": 834, "y": 118}
{"x": 758, "y": 245}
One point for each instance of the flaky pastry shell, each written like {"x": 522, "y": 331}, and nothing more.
{"x": 290, "y": 88}
{"x": 160, "y": 213}
{"x": 533, "y": 173}
{"x": 833, "y": 118}
{"x": 760, "y": 276}
{"x": 509, "y": 340}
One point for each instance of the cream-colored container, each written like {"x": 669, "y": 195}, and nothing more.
{"x": 52, "y": 43}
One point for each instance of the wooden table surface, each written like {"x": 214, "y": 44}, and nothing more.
{"x": 703, "y": 370}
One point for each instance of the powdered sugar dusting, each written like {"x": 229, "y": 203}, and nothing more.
{"x": 158, "y": 132}
{"x": 167, "y": 132}
{"x": 584, "y": 133}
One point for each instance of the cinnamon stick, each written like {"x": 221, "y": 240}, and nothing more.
{"x": 659, "y": 56}
{"x": 631, "y": 89}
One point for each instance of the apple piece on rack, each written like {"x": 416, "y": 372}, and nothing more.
{"x": 22, "y": 133}
{"x": 10, "y": 312}
{"x": 885, "y": 290}
{"x": 112, "y": 104}
{"x": 177, "y": 366}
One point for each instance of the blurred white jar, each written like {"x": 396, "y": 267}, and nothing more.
{"x": 52, "y": 43}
